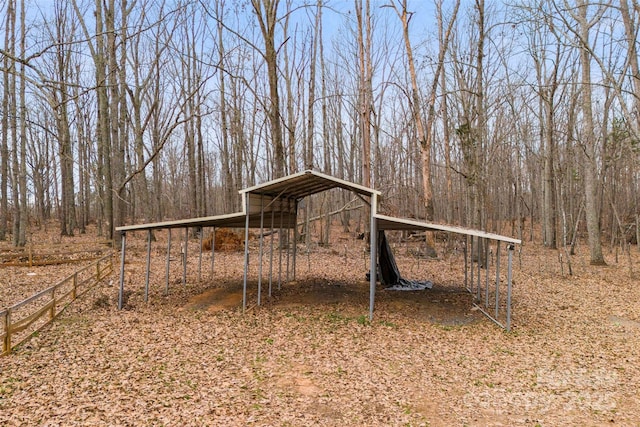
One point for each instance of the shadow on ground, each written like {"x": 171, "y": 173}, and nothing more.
{"x": 441, "y": 305}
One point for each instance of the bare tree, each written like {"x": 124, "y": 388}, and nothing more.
{"x": 309, "y": 160}
{"x": 589, "y": 140}
{"x": 425, "y": 130}
{"x": 226, "y": 164}
{"x": 266, "y": 11}
{"x": 22, "y": 180}
{"x": 12, "y": 112}
{"x": 60, "y": 101}
{"x": 103, "y": 134}
{"x": 104, "y": 182}
{"x": 4, "y": 123}
{"x": 132, "y": 135}
{"x": 365, "y": 75}
{"x": 471, "y": 128}
{"x": 631, "y": 28}
{"x": 291, "y": 98}
{"x": 545, "y": 49}
{"x": 84, "y": 126}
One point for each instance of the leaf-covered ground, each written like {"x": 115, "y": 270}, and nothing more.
{"x": 308, "y": 355}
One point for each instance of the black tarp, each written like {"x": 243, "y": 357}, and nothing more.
{"x": 388, "y": 273}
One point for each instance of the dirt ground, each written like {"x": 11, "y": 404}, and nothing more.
{"x": 309, "y": 356}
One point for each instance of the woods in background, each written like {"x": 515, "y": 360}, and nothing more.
{"x": 495, "y": 115}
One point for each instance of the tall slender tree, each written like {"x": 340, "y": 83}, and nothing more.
{"x": 266, "y": 12}
{"x": 589, "y": 140}
{"x": 365, "y": 89}
{"x": 4, "y": 124}
{"x": 425, "y": 130}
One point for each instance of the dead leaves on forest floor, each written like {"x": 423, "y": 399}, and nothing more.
{"x": 309, "y": 356}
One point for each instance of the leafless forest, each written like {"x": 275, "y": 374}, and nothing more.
{"x": 520, "y": 117}
{"x": 495, "y": 115}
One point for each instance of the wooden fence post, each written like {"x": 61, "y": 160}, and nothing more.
{"x": 7, "y": 327}
{"x": 52, "y": 312}
{"x": 50, "y": 307}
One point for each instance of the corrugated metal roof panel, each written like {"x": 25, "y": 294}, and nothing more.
{"x": 236, "y": 220}
{"x": 391, "y": 223}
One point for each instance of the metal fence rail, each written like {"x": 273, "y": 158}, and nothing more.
{"x": 22, "y": 320}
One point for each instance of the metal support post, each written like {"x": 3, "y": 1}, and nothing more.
{"x": 486, "y": 266}
{"x": 288, "y": 236}
{"x": 373, "y": 257}
{"x": 148, "y": 271}
{"x": 509, "y": 272}
{"x": 465, "y": 251}
{"x": 280, "y": 245}
{"x": 295, "y": 237}
{"x": 260, "y": 250}
{"x": 166, "y": 270}
{"x": 213, "y": 250}
{"x": 246, "y": 254}
{"x": 479, "y": 259}
{"x": 271, "y": 252}
{"x": 497, "y": 278}
{"x": 122, "y": 254}
{"x": 200, "y": 257}
{"x": 471, "y": 281}
{"x": 184, "y": 256}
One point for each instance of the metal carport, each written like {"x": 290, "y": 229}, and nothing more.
{"x": 278, "y": 200}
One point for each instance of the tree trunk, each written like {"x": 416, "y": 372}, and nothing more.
{"x": 13, "y": 127}
{"x": 4, "y": 129}
{"x": 118, "y": 69}
{"x": 83, "y": 162}
{"x": 631, "y": 34}
{"x": 24, "y": 217}
{"x": 425, "y": 133}
{"x": 549, "y": 210}
{"x": 60, "y": 106}
{"x": 589, "y": 141}
{"x": 364, "y": 85}
{"x": 267, "y": 20}
{"x": 227, "y": 177}
{"x": 105, "y": 182}
{"x": 326, "y": 143}
{"x": 480, "y": 118}
{"x": 309, "y": 161}
{"x": 444, "y": 111}
{"x": 291, "y": 125}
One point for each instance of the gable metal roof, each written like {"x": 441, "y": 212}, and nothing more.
{"x": 306, "y": 183}
{"x": 296, "y": 186}
{"x": 230, "y": 220}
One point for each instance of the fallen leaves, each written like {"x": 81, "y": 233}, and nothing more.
{"x": 308, "y": 355}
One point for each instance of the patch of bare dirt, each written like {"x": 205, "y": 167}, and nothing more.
{"x": 216, "y": 299}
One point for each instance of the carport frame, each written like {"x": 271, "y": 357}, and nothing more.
{"x": 282, "y": 196}
{"x": 385, "y": 222}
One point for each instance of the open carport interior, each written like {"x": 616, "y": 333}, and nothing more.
{"x": 273, "y": 207}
